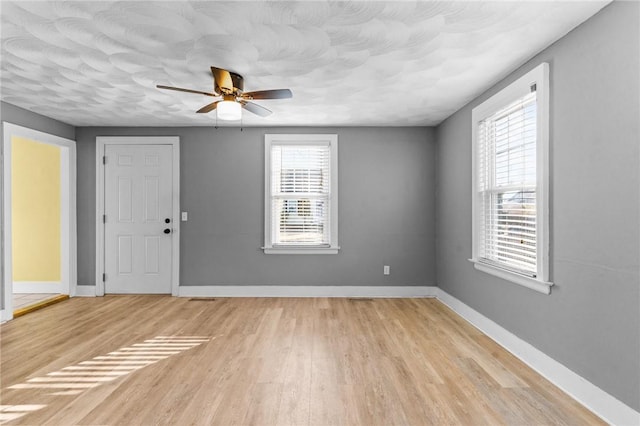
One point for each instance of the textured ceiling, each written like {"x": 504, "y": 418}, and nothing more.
{"x": 91, "y": 63}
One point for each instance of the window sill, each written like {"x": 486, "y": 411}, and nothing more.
{"x": 532, "y": 283}
{"x": 301, "y": 250}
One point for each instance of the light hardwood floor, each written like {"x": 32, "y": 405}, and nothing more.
{"x": 159, "y": 360}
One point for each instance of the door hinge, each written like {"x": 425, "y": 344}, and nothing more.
{"x": 104, "y": 218}
{"x": 104, "y": 159}
{"x": 104, "y": 277}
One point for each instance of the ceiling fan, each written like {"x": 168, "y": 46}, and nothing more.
{"x": 230, "y": 86}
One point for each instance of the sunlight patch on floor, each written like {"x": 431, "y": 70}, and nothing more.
{"x": 12, "y": 412}
{"x": 101, "y": 369}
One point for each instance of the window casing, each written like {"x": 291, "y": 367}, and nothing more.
{"x": 301, "y": 194}
{"x": 510, "y": 182}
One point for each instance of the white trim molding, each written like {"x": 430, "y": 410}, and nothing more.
{"x": 300, "y": 250}
{"x": 543, "y": 287}
{"x": 607, "y": 407}
{"x": 37, "y": 287}
{"x": 306, "y": 291}
{"x": 101, "y": 143}
{"x": 85, "y": 291}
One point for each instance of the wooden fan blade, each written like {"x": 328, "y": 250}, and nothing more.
{"x": 222, "y": 79}
{"x": 255, "y": 108}
{"x": 208, "y": 108}
{"x": 198, "y": 92}
{"x": 268, "y": 94}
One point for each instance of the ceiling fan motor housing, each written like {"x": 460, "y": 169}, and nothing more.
{"x": 238, "y": 82}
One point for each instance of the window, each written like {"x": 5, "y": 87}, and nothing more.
{"x": 301, "y": 194}
{"x": 510, "y": 182}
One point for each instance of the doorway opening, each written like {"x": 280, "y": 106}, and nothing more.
{"x": 39, "y": 222}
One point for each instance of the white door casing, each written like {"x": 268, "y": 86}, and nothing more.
{"x": 138, "y": 190}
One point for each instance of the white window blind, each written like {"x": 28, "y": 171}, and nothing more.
{"x": 300, "y": 194}
{"x": 507, "y": 187}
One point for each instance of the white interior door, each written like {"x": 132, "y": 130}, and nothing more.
{"x": 138, "y": 223}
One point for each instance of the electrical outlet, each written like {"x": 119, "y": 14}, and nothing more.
{"x": 184, "y": 216}
{"x": 386, "y": 269}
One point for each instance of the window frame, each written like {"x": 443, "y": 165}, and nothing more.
{"x": 539, "y": 77}
{"x": 310, "y": 140}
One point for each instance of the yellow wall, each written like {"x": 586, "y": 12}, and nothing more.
{"x": 35, "y": 193}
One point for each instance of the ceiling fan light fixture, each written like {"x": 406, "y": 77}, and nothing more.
{"x": 229, "y": 110}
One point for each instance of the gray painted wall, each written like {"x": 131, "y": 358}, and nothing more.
{"x": 22, "y": 117}
{"x": 386, "y": 208}
{"x": 591, "y": 321}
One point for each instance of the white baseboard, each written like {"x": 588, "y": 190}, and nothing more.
{"x": 37, "y": 287}
{"x": 4, "y": 315}
{"x": 607, "y": 407}
{"x": 85, "y": 291}
{"x": 306, "y": 291}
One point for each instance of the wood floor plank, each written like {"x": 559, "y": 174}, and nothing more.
{"x": 129, "y": 360}
{"x": 295, "y": 404}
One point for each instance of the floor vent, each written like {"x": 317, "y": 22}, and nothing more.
{"x": 360, "y": 299}
{"x": 202, "y": 299}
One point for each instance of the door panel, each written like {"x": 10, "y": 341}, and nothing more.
{"x": 151, "y": 199}
{"x": 125, "y": 203}
{"x": 125, "y": 254}
{"x": 152, "y": 254}
{"x": 138, "y": 200}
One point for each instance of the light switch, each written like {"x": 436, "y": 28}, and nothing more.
{"x": 184, "y": 216}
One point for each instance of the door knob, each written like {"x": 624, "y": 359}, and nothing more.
{"x": 167, "y": 220}
{"x": 167, "y": 231}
